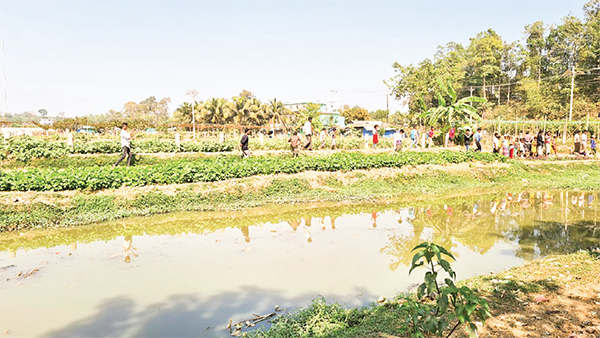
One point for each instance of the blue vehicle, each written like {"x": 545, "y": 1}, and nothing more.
{"x": 87, "y": 129}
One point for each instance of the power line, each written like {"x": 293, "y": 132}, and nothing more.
{"x": 501, "y": 85}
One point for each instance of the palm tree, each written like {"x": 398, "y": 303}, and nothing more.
{"x": 452, "y": 110}
{"x": 184, "y": 112}
{"x": 257, "y": 114}
{"x": 277, "y": 111}
{"x": 241, "y": 108}
{"x": 216, "y": 111}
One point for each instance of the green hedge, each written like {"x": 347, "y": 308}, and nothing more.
{"x": 216, "y": 169}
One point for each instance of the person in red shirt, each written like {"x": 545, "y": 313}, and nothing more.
{"x": 451, "y": 135}
{"x": 430, "y": 137}
{"x": 375, "y": 137}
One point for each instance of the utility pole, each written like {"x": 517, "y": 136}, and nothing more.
{"x": 570, "y": 103}
{"x": 5, "y": 88}
{"x": 193, "y": 93}
{"x": 572, "y": 87}
{"x": 508, "y": 93}
{"x": 387, "y": 107}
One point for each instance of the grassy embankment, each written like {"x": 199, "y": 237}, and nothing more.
{"x": 22, "y": 210}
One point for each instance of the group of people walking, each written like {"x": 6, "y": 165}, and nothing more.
{"x": 425, "y": 139}
{"x": 540, "y": 145}
{"x": 525, "y": 146}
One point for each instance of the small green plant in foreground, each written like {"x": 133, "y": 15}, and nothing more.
{"x": 437, "y": 305}
{"x": 436, "y": 310}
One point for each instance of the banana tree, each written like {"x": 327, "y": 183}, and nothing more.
{"x": 451, "y": 110}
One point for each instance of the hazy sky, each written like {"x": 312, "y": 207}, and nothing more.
{"x": 71, "y": 56}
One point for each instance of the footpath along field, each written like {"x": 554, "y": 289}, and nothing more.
{"x": 24, "y": 149}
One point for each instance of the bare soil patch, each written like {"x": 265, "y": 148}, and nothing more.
{"x": 552, "y": 297}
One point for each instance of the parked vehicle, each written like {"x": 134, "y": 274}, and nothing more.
{"x": 87, "y": 129}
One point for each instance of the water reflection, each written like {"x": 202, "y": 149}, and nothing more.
{"x": 538, "y": 223}
{"x": 198, "y": 270}
{"x": 128, "y": 250}
{"x": 477, "y": 223}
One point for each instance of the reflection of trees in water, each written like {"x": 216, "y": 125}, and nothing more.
{"x": 475, "y": 223}
{"x": 557, "y": 223}
{"x": 538, "y": 223}
{"x": 549, "y": 237}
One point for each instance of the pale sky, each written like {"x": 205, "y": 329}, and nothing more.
{"x": 71, "y": 56}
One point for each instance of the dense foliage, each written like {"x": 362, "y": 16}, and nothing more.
{"x": 216, "y": 169}
{"x": 529, "y": 78}
{"x": 244, "y": 109}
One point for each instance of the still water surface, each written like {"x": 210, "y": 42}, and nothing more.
{"x": 187, "y": 274}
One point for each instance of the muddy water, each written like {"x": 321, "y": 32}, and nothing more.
{"x": 187, "y": 274}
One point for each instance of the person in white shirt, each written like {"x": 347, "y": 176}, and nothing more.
{"x": 322, "y": 138}
{"x": 576, "y": 143}
{"x": 398, "y": 139}
{"x": 496, "y": 144}
{"x": 126, "y": 145}
{"x": 583, "y": 143}
{"x": 307, "y": 129}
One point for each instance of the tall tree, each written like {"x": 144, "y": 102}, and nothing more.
{"x": 536, "y": 48}
{"x": 183, "y": 113}
{"x": 277, "y": 112}
{"x": 43, "y": 113}
{"x": 216, "y": 111}
{"x": 485, "y": 54}
{"x": 380, "y": 115}
{"x": 356, "y": 113}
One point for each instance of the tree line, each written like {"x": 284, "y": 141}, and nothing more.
{"x": 530, "y": 78}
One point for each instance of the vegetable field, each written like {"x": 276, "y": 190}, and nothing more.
{"x": 216, "y": 169}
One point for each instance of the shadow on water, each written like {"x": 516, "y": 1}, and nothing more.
{"x": 181, "y": 315}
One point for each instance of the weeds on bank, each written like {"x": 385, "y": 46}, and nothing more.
{"x": 436, "y": 310}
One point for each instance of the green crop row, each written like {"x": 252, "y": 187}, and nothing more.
{"x": 151, "y": 146}
{"x": 216, "y": 169}
{"x": 26, "y": 148}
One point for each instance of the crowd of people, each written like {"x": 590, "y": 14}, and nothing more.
{"x": 541, "y": 145}
{"x": 526, "y": 145}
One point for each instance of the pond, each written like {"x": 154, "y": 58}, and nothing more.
{"x": 188, "y": 274}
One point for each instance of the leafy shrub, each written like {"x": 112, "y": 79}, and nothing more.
{"x": 26, "y": 148}
{"x": 439, "y": 305}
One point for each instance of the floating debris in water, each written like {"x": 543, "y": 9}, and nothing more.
{"x": 236, "y": 329}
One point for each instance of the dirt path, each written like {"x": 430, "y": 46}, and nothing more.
{"x": 551, "y": 297}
